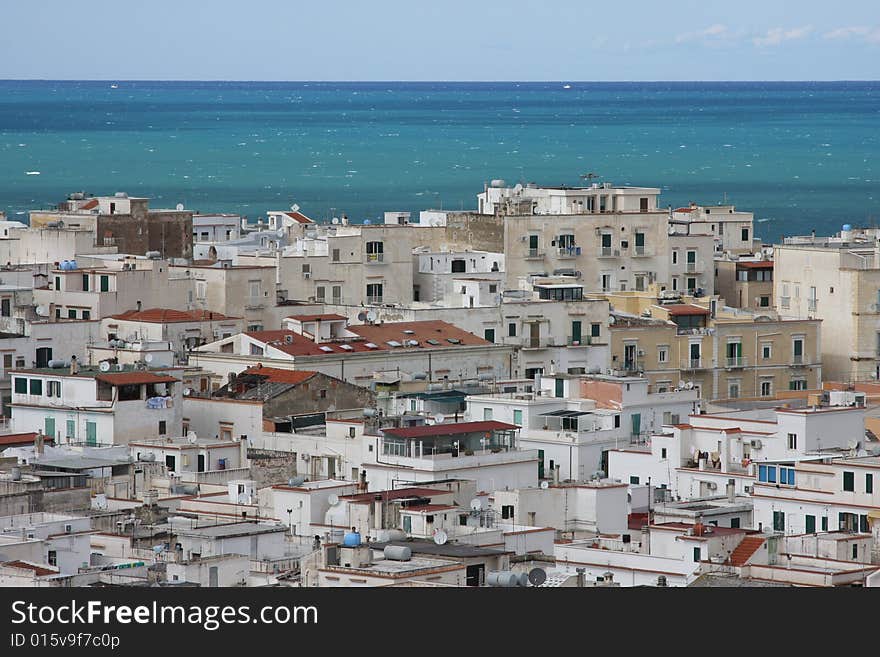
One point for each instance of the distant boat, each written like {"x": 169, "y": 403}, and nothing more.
{"x": 32, "y": 173}
{"x": 566, "y": 86}
{"x": 114, "y": 86}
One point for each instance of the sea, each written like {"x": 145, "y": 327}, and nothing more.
{"x": 801, "y": 155}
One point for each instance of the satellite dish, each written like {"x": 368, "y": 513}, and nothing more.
{"x": 294, "y": 207}
{"x": 545, "y": 485}
{"x": 362, "y": 316}
{"x": 244, "y": 498}
{"x": 333, "y": 499}
{"x": 104, "y": 366}
{"x": 440, "y": 537}
{"x": 476, "y": 505}
{"x": 148, "y": 358}
{"x": 439, "y": 417}
{"x": 42, "y": 311}
{"x": 681, "y": 384}
{"x": 537, "y": 576}
{"x": 187, "y": 392}
{"x": 372, "y": 316}
{"x": 334, "y": 221}
{"x": 179, "y": 207}
{"x": 192, "y": 437}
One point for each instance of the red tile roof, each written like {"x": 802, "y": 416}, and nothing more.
{"x": 13, "y": 439}
{"x": 763, "y": 264}
{"x": 132, "y": 378}
{"x": 24, "y": 565}
{"x": 428, "y": 508}
{"x": 299, "y": 217}
{"x": 168, "y": 316}
{"x": 685, "y": 309}
{"x": 89, "y": 205}
{"x": 278, "y": 375}
{"x": 745, "y": 550}
{"x": 452, "y": 429}
{"x": 396, "y": 494}
{"x": 379, "y": 335}
{"x": 684, "y": 209}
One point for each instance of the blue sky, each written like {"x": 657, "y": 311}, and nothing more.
{"x": 440, "y": 40}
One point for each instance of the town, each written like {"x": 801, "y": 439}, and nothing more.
{"x": 562, "y": 387}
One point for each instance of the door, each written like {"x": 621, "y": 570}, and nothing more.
{"x": 71, "y": 431}
{"x": 475, "y": 574}
{"x": 695, "y": 354}
{"x": 50, "y": 427}
{"x": 44, "y": 355}
{"x": 534, "y": 334}
{"x": 798, "y": 351}
{"x": 533, "y": 244}
{"x": 576, "y": 331}
{"x": 91, "y": 433}
{"x": 629, "y": 357}
{"x": 810, "y": 525}
{"x": 540, "y": 464}
{"x": 560, "y": 387}
{"x": 201, "y": 463}
{"x": 636, "y": 424}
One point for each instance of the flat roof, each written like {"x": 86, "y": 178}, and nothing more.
{"x": 459, "y": 550}
{"x": 452, "y": 429}
{"x": 232, "y": 529}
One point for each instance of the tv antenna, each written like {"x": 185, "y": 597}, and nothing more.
{"x": 589, "y": 176}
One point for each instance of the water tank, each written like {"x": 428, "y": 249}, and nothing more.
{"x": 847, "y": 227}
{"x": 498, "y": 182}
{"x": 296, "y": 481}
{"x": 351, "y": 539}
{"x": 397, "y": 553}
{"x": 153, "y": 255}
{"x": 386, "y": 535}
{"x": 502, "y": 578}
{"x": 55, "y": 364}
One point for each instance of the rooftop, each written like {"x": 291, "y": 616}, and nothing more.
{"x": 231, "y": 529}
{"x": 452, "y": 429}
{"x": 169, "y": 316}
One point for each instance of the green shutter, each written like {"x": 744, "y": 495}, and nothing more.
{"x": 91, "y": 433}
{"x": 49, "y": 427}
{"x": 810, "y": 524}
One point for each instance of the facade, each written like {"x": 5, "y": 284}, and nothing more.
{"x": 732, "y": 229}
{"x": 745, "y": 284}
{"x": 724, "y": 353}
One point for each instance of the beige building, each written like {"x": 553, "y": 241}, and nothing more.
{"x": 611, "y": 238}
{"x": 733, "y": 230}
{"x": 836, "y": 280}
{"x": 723, "y": 352}
{"x": 745, "y": 283}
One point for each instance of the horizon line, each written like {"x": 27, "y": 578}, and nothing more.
{"x": 420, "y": 81}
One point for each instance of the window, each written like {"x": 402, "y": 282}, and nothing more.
{"x": 21, "y": 386}
{"x": 53, "y": 558}
{"x": 786, "y": 476}
{"x": 506, "y": 511}
{"x": 53, "y": 388}
{"x": 616, "y": 421}
{"x": 71, "y": 313}
{"x": 855, "y": 550}
{"x": 797, "y": 384}
{"x": 104, "y": 282}
{"x": 511, "y": 330}
{"x": 734, "y": 523}
{"x": 745, "y": 234}
{"x": 560, "y": 388}
{"x": 374, "y": 293}
{"x": 85, "y": 278}
{"x": 489, "y": 334}
{"x": 674, "y": 257}
{"x": 662, "y": 354}
{"x": 36, "y": 386}
{"x": 487, "y": 413}
{"x": 634, "y": 480}
{"x": 809, "y": 524}
{"x": 517, "y": 417}
{"x": 337, "y": 293}
{"x": 767, "y": 473}
{"x": 849, "y": 481}
{"x": 696, "y": 554}
{"x": 169, "y": 462}
{"x": 766, "y": 350}
{"x": 322, "y": 394}
{"x": 663, "y": 453}
{"x": 576, "y": 331}
{"x": 161, "y": 427}
{"x": 594, "y": 330}
{"x": 335, "y": 255}
{"x": 766, "y": 388}
{"x": 7, "y": 361}
{"x": 824, "y": 523}
{"x": 375, "y": 251}
{"x": 57, "y": 282}
{"x": 792, "y": 441}
{"x": 869, "y": 483}
{"x": 733, "y": 389}
{"x": 797, "y": 347}
{"x": 863, "y": 527}
{"x": 764, "y": 302}
{"x": 320, "y": 294}
{"x": 87, "y": 314}
{"x": 779, "y": 521}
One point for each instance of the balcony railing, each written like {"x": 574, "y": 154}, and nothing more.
{"x": 797, "y": 360}
{"x": 811, "y": 305}
{"x": 374, "y": 258}
{"x": 736, "y": 361}
{"x": 534, "y": 253}
{"x": 607, "y": 252}
{"x": 693, "y": 364}
{"x": 691, "y": 267}
{"x": 569, "y": 252}
{"x": 578, "y": 341}
{"x": 640, "y": 250}
{"x": 374, "y": 300}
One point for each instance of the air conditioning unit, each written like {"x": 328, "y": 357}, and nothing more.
{"x": 757, "y": 444}
{"x": 641, "y": 352}
{"x": 68, "y": 529}
{"x": 747, "y": 489}
{"x": 307, "y": 274}
{"x": 306, "y": 457}
{"x": 711, "y": 485}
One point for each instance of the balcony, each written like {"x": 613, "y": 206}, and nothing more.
{"x": 375, "y": 258}
{"x": 798, "y": 360}
{"x": 375, "y": 301}
{"x": 608, "y": 252}
{"x": 736, "y": 362}
{"x": 534, "y": 254}
{"x": 811, "y": 305}
{"x": 578, "y": 341}
{"x": 632, "y": 366}
{"x": 566, "y": 252}
{"x": 784, "y": 302}
{"x": 254, "y": 303}
{"x": 639, "y": 251}
{"x": 693, "y": 267}
{"x": 694, "y": 364}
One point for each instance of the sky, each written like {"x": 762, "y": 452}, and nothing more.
{"x": 440, "y": 40}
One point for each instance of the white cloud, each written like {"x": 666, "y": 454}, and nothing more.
{"x": 778, "y": 35}
{"x": 860, "y": 32}
{"x": 712, "y": 32}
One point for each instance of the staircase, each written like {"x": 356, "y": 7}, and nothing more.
{"x": 745, "y": 550}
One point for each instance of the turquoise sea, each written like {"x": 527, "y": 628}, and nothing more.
{"x": 801, "y": 156}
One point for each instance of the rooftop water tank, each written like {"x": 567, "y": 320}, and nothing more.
{"x": 351, "y": 539}
{"x": 397, "y": 553}
{"x": 847, "y": 227}
{"x": 502, "y": 578}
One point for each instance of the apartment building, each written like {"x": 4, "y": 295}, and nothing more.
{"x": 94, "y": 406}
{"x": 613, "y": 238}
{"x": 835, "y": 279}
{"x": 447, "y": 277}
{"x": 720, "y": 351}
{"x": 745, "y": 283}
{"x": 732, "y": 229}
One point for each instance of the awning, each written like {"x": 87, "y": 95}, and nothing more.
{"x": 564, "y": 414}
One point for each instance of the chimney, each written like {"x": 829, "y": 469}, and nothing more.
{"x": 139, "y": 305}
{"x": 242, "y": 455}
{"x": 731, "y": 491}
{"x": 581, "y": 579}
{"x": 378, "y": 515}
{"x": 74, "y": 366}
{"x": 362, "y": 484}
{"x": 38, "y": 444}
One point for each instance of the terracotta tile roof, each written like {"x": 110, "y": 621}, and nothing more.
{"x": 763, "y": 264}
{"x": 278, "y": 375}
{"x": 451, "y": 429}
{"x": 378, "y": 335}
{"x": 684, "y": 210}
{"x": 131, "y": 378}
{"x": 428, "y": 508}
{"x": 315, "y": 318}
{"x": 685, "y": 309}
{"x": 396, "y": 494}
{"x": 299, "y": 217}
{"x": 169, "y": 316}
{"x": 89, "y": 205}
{"x": 13, "y": 439}
{"x": 24, "y": 565}
{"x": 745, "y": 550}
